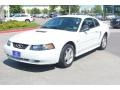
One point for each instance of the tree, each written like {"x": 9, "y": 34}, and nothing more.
{"x": 28, "y": 11}
{"x": 65, "y": 9}
{"x": 16, "y": 9}
{"x": 52, "y": 8}
{"x": 97, "y": 9}
{"x": 35, "y": 11}
{"x": 45, "y": 11}
{"x": 85, "y": 11}
{"x": 75, "y": 8}
{"x": 92, "y": 10}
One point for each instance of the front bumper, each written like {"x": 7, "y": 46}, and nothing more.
{"x": 34, "y": 57}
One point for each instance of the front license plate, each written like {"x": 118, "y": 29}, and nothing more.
{"x": 16, "y": 54}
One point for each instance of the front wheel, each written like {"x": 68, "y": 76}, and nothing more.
{"x": 66, "y": 56}
{"x": 103, "y": 43}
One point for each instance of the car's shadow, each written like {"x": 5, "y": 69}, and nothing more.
{"x": 38, "y": 68}
{"x": 28, "y": 67}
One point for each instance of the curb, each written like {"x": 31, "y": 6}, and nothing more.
{"x": 17, "y": 30}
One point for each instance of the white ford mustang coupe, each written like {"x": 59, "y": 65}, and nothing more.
{"x": 58, "y": 41}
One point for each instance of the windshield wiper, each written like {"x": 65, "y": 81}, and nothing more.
{"x": 56, "y": 27}
{"x": 51, "y": 27}
{"x": 44, "y": 27}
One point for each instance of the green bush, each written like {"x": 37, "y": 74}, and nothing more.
{"x": 12, "y": 24}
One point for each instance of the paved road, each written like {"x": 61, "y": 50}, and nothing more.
{"x": 114, "y": 43}
{"x": 96, "y": 67}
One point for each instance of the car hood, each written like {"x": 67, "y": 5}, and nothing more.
{"x": 42, "y": 36}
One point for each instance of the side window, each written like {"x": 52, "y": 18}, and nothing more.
{"x": 88, "y": 22}
{"x": 23, "y": 15}
{"x": 17, "y": 15}
{"x": 96, "y": 22}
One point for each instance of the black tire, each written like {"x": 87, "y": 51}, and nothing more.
{"x": 63, "y": 63}
{"x": 103, "y": 44}
{"x": 27, "y": 20}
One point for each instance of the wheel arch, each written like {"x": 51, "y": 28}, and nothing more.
{"x": 61, "y": 63}
{"x": 27, "y": 20}
{"x": 73, "y": 44}
{"x": 104, "y": 34}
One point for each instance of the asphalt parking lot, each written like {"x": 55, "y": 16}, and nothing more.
{"x": 95, "y": 67}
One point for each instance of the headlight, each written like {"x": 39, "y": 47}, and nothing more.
{"x": 9, "y": 43}
{"x": 42, "y": 47}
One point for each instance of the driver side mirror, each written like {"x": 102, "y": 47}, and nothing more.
{"x": 85, "y": 28}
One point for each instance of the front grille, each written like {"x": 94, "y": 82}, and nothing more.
{"x": 19, "y": 45}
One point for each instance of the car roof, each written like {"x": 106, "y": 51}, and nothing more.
{"x": 77, "y": 16}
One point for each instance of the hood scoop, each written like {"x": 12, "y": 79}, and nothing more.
{"x": 42, "y": 31}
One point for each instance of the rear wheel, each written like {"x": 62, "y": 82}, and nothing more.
{"x": 27, "y": 20}
{"x": 66, "y": 56}
{"x": 103, "y": 43}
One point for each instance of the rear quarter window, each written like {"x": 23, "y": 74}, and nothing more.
{"x": 96, "y": 22}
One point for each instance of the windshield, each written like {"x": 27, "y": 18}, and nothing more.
{"x": 63, "y": 23}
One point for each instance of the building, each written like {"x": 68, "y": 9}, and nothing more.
{"x": 1, "y": 13}
{"x": 112, "y": 9}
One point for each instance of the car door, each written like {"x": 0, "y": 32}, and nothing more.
{"x": 87, "y": 35}
{"x": 21, "y": 17}
{"x": 16, "y": 17}
{"x": 24, "y": 17}
{"x": 97, "y": 30}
